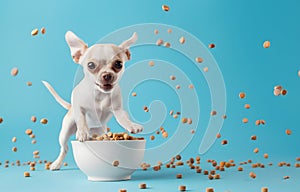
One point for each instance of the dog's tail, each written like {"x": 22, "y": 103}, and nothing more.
{"x": 62, "y": 102}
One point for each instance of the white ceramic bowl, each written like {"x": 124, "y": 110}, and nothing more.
{"x": 95, "y": 158}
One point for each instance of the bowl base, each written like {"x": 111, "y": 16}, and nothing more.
{"x": 109, "y": 179}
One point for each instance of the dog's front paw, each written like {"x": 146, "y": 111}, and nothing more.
{"x": 55, "y": 165}
{"x": 82, "y": 135}
{"x": 134, "y": 128}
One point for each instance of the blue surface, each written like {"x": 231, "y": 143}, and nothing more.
{"x": 237, "y": 28}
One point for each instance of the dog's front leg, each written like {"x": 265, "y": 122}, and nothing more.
{"x": 82, "y": 133}
{"x": 123, "y": 119}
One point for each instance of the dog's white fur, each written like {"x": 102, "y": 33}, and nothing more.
{"x": 92, "y": 103}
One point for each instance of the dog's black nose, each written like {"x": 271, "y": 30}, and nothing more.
{"x": 107, "y": 77}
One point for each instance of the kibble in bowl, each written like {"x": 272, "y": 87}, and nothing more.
{"x": 97, "y": 158}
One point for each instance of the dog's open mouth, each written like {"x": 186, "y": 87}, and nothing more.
{"x": 105, "y": 87}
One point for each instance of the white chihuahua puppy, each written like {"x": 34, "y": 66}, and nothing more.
{"x": 97, "y": 96}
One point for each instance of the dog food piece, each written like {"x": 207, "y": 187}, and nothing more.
{"x": 182, "y": 40}
{"x": 146, "y": 108}
{"x": 44, "y": 121}
{"x": 169, "y": 31}
{"x": 142, "y": 186}
{"x": 211, "y": 46}
{"x": 253, "y": 137}
{"x": 224, "y": 116}
{"x": 14, "y": 139}
{"x": 165, "y": 134}
{"x": 179, "y": 176}
{"x": 32, "y": 136}
{"x": 156, "y": 31}
{"x": 14, "y": 71}
{"x": 43, "y": 30}
{"x": 172, "y": 77}
{"x": 189, "y": 121}
{"x": 26, "y": 174}
{"x": 217, "y": 176}
{"x": 277, "y": 90}
{"x": 263, "y": 122}
{"x": 264, "y": 189}
{"x": 134, "y": 94}
{"x": 257, "y": 122}
{"x": 256, "y": 150}
{"x": 227, "y": 164}
{"x": 151, "y": 63}
{"x": 242, "y": 95}
{"x": 218, "y": 135}
{"x": 267, "y": 44}
{"x": 247, "y": 106}
{"x": 283, "y": 92}
{"x": 34, "y": 32}
{"x": 205, "y": 172}
{"x": 224, "y": 142}
{"x": 156, "y": 168}
{"x": 205, "y": 69}
{"x": 33, "y": 141}
{"x": 191, "y": 86}
{"x": 178, "y": 157}
{"x": 212, "y": 113}
{"x": 29, "y": 83}
{"x": 288, "y": 132}
{"x": 167, "y": 44}
{"x": 297, "y": 165}
{"x": 122, "y": 190}
{"x": 209, "y": 190}
{"x": 14, "y": 149}
{"x": 126, "y": 136}
{"x": 184, "y": 120}
{"x": 115, "y": 163}
{"x": 245, "y": 120}
{"x": 36, "y": 156}
{"x": 179, "y": 163}
{"x": 199, "y": 59}
{"x": 210, "y": 177}
{"x": 159, "y": 42}
{"x": 177, "y": 86}
{"x": 165, "y": 8}
{"x": 252, "y": 175}
{"x": 32, "y": 164}
{"x": 240, "y": 169}
{"x": 36, "y": 153}
{"x": 266, "y": 156}
{"x": 171, "y": 112}
{"x": 152, "y": 137}
{"x": 182, "y": 188}
{"x": 1, "y": 119}
{"x": 222, "y": 163}
{"x": 286, "y": 177}
{"x": 298, "y": 159}
{"x": 33, "y": 119}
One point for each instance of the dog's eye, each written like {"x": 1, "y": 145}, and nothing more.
{"x": 91, "y": 65}
{"x": 118, "y": 64}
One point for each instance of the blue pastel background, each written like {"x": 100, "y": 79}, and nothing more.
{"x": 237, "y": 28}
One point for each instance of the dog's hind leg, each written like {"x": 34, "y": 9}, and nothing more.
{"x": 68, "y": 129}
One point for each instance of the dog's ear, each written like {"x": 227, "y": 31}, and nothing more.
{"x": 77, "y": 46}
{"x": 126, "y": 44}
